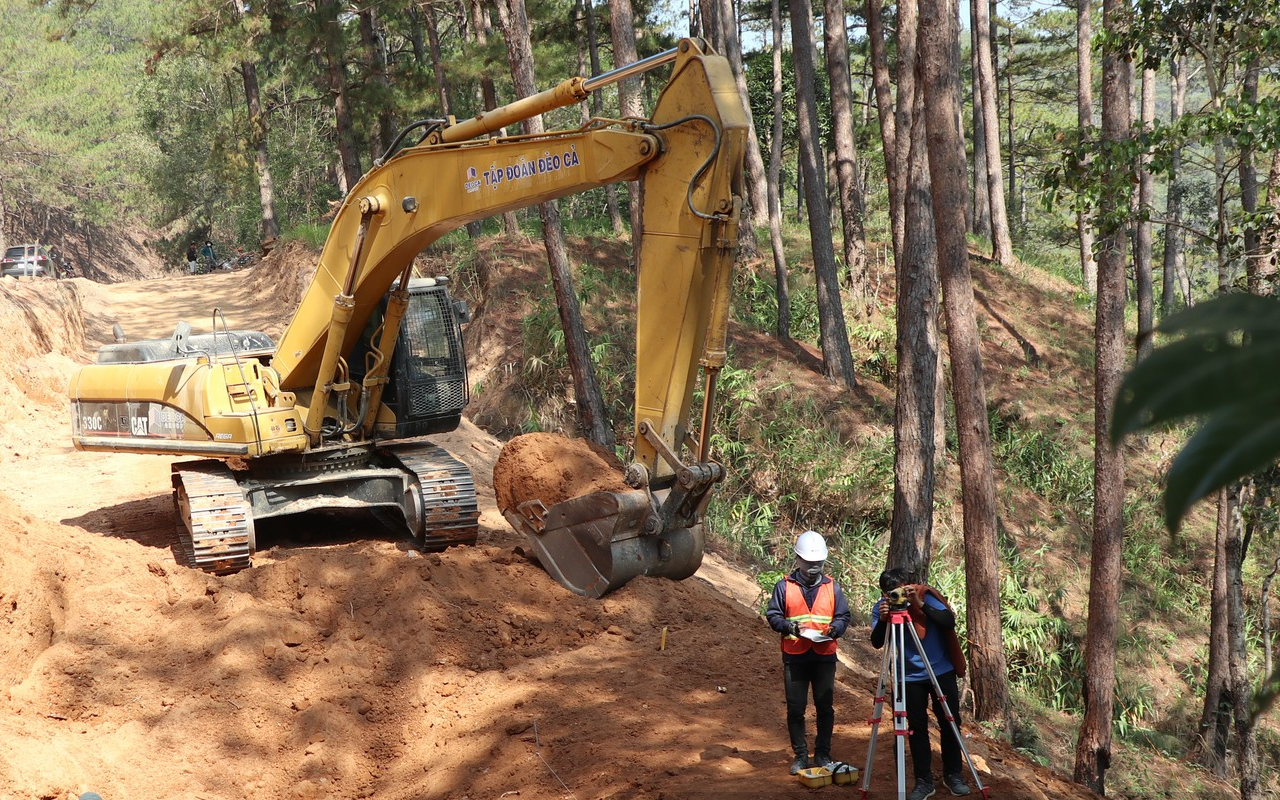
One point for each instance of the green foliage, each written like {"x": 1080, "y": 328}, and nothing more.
{"x": 310, "y": 233}
{"x": 1221, "y": 369}
{"x": 1042, "y": 461}
{"x": 71, "y": 138}
{"x": 755, "y": 303}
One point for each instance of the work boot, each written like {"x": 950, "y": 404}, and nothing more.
{"x": 801, "y": 762}
{"x": 955, "y": 784}
{"x": 923, "y": 790}
{"x": 822, "y": 760}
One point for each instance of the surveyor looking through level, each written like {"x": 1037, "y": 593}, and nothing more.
{"x": 809, "y": 609}
{"x": 935, "y": 625}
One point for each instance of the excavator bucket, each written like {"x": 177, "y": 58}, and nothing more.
{"x": 596, "y": 543}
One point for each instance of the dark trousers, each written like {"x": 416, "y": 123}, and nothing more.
{"x": 919, "y": 693}
{"x": 797, "y": 678}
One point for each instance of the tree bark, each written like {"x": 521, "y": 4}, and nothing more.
{"x": 981, "y": 203}
{"x": 1249, "y": 189}
{"x": 269, "y": 229}
{"x": 1238, "y": 665}
{"x": 1269, "y": 242}
{"x": 775, "y": 184}
{"x": 1093, "y": 747}
{"x": 888, "y": 133}
{"x": 1084, "y": 117}
{"x": 940, "y": 56}
{"x": 597, "y": 109}
{"x": 1143, "y": 233}
{"x": 904, "y": 112}
{"x": 846, "y": 152}
{"x": 911, "y": 532}
{"x": 731, "y": 48}
{"x": 482, "y": 26}
{"x": 622, "y": 30}
{"x": 1173, "y": 236}
{"x": 372, "y": 41}
{"x": 1002, "y": 245}
{"x": 437, "y": 60}
{"x": 837, "y": 358}
{"x": 1011, "y": 158}
{"x": 1210, "y": 746}
{"x": 334, "y": 64}
{"x": 590, "y": 406}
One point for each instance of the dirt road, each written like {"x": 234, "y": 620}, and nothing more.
{"x": 346, "y": 664}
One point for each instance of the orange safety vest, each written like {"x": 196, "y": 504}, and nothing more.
{"x": 817, "y": 618}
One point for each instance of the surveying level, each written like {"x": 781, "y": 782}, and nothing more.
{"x": 894, "y": 667}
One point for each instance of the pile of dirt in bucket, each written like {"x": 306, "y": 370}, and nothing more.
{"x": 553, "y": 468}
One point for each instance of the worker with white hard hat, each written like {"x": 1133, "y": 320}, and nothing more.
{"x": 809, "y": 610}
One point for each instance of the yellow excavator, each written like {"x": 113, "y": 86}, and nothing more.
{"x": 333, "y": 416}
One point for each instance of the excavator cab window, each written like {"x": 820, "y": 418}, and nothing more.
{"x": 428, "y": 381}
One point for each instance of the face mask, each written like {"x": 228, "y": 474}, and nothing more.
{"x": 811, "y": 571}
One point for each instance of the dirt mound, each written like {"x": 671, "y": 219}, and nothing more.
{"x": 553, "y": 468}
{"x": 283, "y": 276}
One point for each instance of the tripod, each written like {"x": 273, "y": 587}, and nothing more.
{"x": 894, "y": 666}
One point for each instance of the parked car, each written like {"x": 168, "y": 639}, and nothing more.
{"x": 28, "y": 261}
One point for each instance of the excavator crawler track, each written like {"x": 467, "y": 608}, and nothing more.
{"x": 216, "y": 534}
{"x": 449, "y": 514}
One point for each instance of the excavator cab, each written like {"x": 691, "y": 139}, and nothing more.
{"x": 427, "y": 385}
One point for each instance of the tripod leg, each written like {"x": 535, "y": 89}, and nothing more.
{"x": 951, "y": 719}
{"x": 885, "y": 661}
{"x": 900, "y": 728}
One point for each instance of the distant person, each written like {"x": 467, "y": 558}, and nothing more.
{"x": 191, "y": 258}
{"x": 935, "y": 624}
{"x": 809, "y": 610}
{"x": 207, "y": 252}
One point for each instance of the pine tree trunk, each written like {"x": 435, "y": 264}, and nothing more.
{"x": 904, "y": 119}
{"x": 597, "y": 109}
{"x": 481, "y": 27}
{"x": 911, "y": 532}
{"x": 1093, "y": 747}
{"x": 775, "y": 183}
{"x": 1269, "y": 243}
{"x": 437, "y": 60}
{"x": 836, "y": 356}
{"x": 940, "y": 55}
{"x": 757, "y": 193}
{"x": 372, "y": 41}
{"x": 1249, "y": 189}
{"x": 1210, "y": 745}
{"x": 888, "y": 130}
{"x": 1143, "y": 234}
{"x": 270, "y": 228}
{"x": 1238, "y": 663}
{"x": 1084, "y": 116}
{"x": 622, "y": 31}
{"x": 846, "y": 152}
{"x": 1002, "y": 246}
{"x": 334, "y": 64}
{"x": 1173, "y": 235}
{"x": 590, "y": 405}
{"x": 981, "y": 203}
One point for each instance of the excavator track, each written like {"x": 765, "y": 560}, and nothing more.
{"x": 217, "y": 522}
{"x": 448, "y": 513}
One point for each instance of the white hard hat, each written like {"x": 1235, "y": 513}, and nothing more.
{"x": 811, "y": 546}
